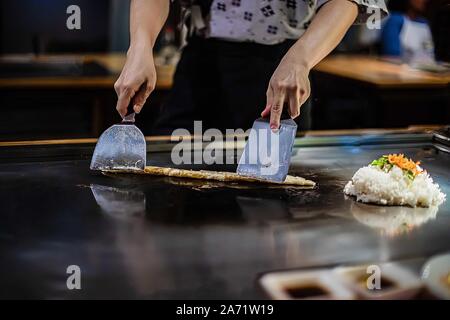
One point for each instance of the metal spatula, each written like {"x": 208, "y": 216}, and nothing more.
{"x": 267, "y": 155}
{"x": 121, "y": 146}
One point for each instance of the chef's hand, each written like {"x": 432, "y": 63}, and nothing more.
{"x": 137, "y": 80}
{"x": 288, "y": 86}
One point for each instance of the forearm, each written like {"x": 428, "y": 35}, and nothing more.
{"x": 138, "y": 77}
{"x": 325, "y": 32}
{"x": 147, "y": 17}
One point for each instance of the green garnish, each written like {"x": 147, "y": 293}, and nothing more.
{"x": 387, "y": 162}
{"x": 382, "y": 163}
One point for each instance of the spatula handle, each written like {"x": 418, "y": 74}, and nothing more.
{"x": 130, "y": 108}
{"x": 129, "y": 118}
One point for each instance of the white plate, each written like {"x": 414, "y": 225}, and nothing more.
{"x": 404, "y": 284}
{"x": 435, "y": 274}
{"x": 277, "y": 284}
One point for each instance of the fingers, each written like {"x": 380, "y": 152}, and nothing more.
{"x": 141, "y": 96}
{"x": 277, "y": 108}
{"x": 303, "y": 96}
{"x": 292, "y": 96}
{"x": 124, "y": 94}
{"x": 296, "y": 99}
{"x": 289, "y": 85}
{"x": 127, "y": 93}
{"x": 294, "y": 104}
{"x": 306, "y": 92}
{"x": 269, "y": 101}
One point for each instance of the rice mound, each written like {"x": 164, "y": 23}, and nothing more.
{"x": 371, "y": 184}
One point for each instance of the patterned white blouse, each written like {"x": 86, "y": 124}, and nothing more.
{"x": 270, "y": 21}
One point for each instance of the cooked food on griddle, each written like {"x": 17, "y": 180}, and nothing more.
{"x": 215, "y": 176}
{"x": 395, "y": 180}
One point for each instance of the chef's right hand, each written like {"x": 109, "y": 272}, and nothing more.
{"x": 137, "y": 80}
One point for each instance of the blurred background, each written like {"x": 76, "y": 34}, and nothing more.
{"x": 58, "y": 83}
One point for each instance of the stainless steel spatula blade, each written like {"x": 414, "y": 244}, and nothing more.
{"x": 267, "y": 155}
{"x": 121, "y": 146}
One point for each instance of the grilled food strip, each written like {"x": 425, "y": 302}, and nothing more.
{"x": 215, "y": 176}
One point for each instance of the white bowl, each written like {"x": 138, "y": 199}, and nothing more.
{"x": 436, "y": 276}
{"x": 402, "y": 284}
{"x": 304, "y": 285}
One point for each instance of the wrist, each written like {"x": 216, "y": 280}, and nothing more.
{"x": 141, "y": 43}
{"x": 300, "y": 57}
{"x": 140, "y": 47}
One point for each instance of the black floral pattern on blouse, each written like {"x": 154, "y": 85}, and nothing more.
{"x": 268, "y": 21}
{"x": 272, "y": 29}
{"x": 221, "y": 6}
{"x": 267, "y": 11}
{"x": 248, "y": 16}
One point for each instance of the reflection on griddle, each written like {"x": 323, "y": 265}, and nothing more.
{"x": 141, "y": 257}
{"x": 262, "y": 211}
{"x": 204, "y": 185}
{"x": 392, "y": 221}
{"x": 119, "y": 203}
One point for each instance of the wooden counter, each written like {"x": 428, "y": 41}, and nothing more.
{"x": 361, "y": 68}
{"x": 361, "y": 91}
{"x": 112, "y": 62}
{"x": 373, "y": 70}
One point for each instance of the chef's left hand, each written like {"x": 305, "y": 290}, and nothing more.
{"x": 288, "y": 86}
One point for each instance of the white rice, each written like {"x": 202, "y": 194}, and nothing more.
{"x": 372, "y": 185}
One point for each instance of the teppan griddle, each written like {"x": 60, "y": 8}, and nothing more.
{"x": 138, "y": 236}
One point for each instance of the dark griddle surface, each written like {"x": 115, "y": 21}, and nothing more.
{"x": 155, "y": 237}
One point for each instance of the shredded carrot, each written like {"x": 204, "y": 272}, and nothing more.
{"x": 404, "y": 163}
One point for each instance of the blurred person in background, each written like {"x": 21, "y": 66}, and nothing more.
{"x": 406, "y": 33}
{"x": 439, "y": 16}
